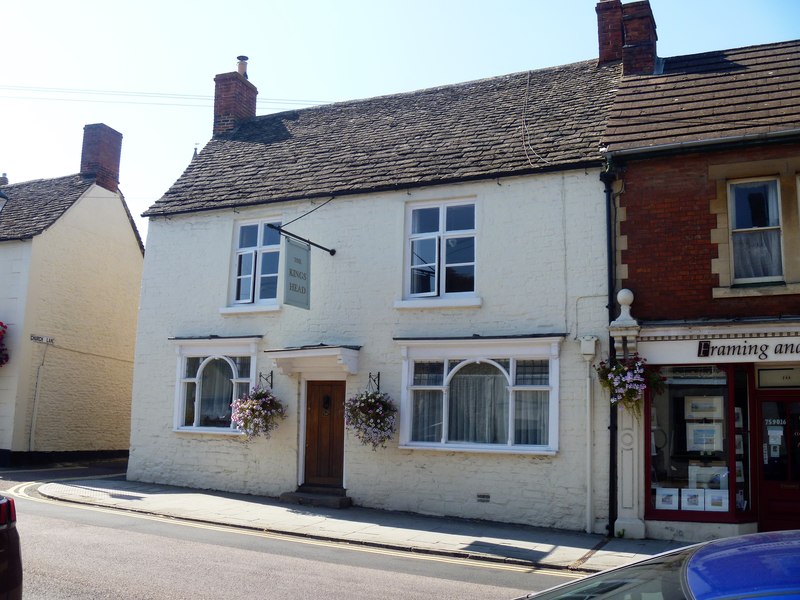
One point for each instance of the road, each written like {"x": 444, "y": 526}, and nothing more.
{"x": 75, "y": 552}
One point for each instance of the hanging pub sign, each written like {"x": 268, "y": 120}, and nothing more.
{"x": 297, "y": 275}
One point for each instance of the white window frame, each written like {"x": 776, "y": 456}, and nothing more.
{"x": 441, "y": 236}
{"x": 733, "y": 231}
{"x": 210, "y": 349}
{"x": 482, "y": 350}
{"x": 257, "y": 254}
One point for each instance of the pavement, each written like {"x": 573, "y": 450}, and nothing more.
{"x": 500, "y": 542}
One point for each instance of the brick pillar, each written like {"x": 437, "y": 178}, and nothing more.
{"x": 102, "y": 147}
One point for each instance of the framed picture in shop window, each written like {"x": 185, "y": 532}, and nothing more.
{"x": 703, "y": 407}
{"x": 693, "y": 499}
{"x": 739, "y": 444}
{"x": 667, "y": 498}
{"x": 738, "y": 422}
{"x": 704, "y": 437}
{"x": 716, "y": 500}
{"x": 711, "y": 477}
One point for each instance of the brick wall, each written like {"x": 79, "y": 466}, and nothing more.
{"x": 668, "y": 223}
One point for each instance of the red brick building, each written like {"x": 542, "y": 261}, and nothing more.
{"x": 703, "y": 174}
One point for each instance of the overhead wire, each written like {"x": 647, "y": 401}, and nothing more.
{"x": 305, "y": 214}
{"x": 134, "y": 97}
{"x": 526, "y": 136}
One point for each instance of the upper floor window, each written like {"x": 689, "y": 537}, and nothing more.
{"x": 212, "y": 376}
{"x": 257, "y": 257}
{"x": 441, "y": 250}
{"x": 755, "y": 231}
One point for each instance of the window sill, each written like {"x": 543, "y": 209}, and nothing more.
{"x": 698, "y": 516}
{"x": 245, "y": 309}
{"x": 756, "y": 291}
{"x": 481, "y": 449}
{"x": 209, "y": 431}
{"x": 435, "y": 303}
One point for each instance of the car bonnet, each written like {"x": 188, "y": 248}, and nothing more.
{"x": 760, "y": 566}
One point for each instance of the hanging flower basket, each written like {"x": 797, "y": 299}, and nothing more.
{"x": 626, "y": 380}
{"x": 372, "y": 417}
{"x": 3, "y": 350}
{"x": 257, "y": 413}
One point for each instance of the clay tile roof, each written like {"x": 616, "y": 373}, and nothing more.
{"x": 540, "y": 120}
{"x": 744, "y": 92}
{"x": 34, "y": 206}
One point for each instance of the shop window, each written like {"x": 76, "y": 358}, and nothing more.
{"x": 695, "y": 467}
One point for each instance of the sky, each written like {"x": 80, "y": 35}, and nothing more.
{"x": 146, "y": 67}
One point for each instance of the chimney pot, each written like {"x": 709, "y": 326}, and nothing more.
{"x": 102, "y": 147}
{"x": 4, "y": 179}
{"x": 241, "y": 66}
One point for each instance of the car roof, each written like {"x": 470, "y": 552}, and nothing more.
{"x": 761, "y": 565}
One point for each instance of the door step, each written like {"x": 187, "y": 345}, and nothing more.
{"x": 318, "y": 496}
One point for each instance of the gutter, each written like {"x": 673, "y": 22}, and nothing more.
{"x": 20, "y": 238}
{"x": 166, "y": 210}
{"x": 695, "y": 144}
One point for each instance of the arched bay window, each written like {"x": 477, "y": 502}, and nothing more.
{"x": 488, "y": 394}
{"x": 211, "y": 376}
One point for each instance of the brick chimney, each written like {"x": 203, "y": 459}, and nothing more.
{"x": 102, "y": 147}
{"x": 234, "y": 99}
{"x": 627, "y": 32}
{"x": 609, "y": 30}
{"x": 639, "y": 49}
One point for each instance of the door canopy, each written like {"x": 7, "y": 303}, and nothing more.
{"x": 320, "y": 361}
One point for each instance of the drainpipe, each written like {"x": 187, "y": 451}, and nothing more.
{"x": 608, "y": 176}
{"x": 35, "y": 410}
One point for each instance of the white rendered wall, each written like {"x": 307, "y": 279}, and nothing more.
{"x": 541, "y": 269}
{"x": 14, "y": 267}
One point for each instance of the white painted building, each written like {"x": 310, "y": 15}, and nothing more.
{"x": 469, "y": 274}
{"x": 70, "y": 270}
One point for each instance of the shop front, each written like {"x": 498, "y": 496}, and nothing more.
{"x": 720, "y": 442}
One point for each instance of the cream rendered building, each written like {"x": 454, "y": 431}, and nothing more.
{"x": 70, "y": 271}
{"x": 469, "y": 279}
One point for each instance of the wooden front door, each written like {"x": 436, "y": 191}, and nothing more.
{"x": 324, "y": 433}
{"x": 779, "y": 464}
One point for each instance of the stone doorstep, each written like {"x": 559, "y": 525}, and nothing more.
{"x": 318, "y": 496}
